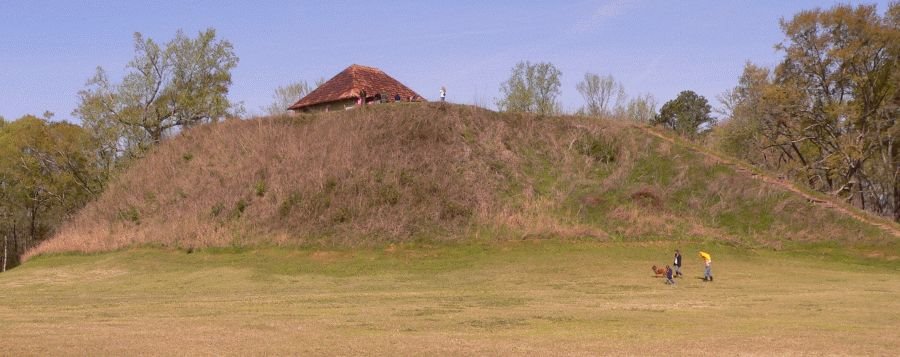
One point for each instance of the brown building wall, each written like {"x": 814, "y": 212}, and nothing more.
{"x": 330, "y": 106}
{"x": 346, "y": 104}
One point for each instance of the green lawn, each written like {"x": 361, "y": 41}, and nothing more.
{"x": 538, "y": 298}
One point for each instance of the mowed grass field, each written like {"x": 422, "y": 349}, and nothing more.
{"x": 532, "y": 297}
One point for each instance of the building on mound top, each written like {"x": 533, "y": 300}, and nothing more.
{"x": 357, "y": 85}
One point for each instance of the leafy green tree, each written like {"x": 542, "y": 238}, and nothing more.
{"x": 641, "y": 108}
{"x": 686, "y": 114}
{"x": 531, "y": 88}
{"x": 47, "y": 171}
{"x": 285, "y": 96}
{"x": 827, "y": 114}
{"x": 744, "y": 109}
{"x": 843, "y": 63}
{"x": 756, "y": 125}
{"x": 601, "y": 94}
{"x": 183, "y": 83}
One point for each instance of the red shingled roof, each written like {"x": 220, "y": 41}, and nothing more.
{"x": 350, "y": 82}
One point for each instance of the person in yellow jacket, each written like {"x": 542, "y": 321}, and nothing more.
{"x": 707, "y": 275}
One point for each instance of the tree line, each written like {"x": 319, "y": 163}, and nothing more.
{"x": 825, "y": 116}
{"x": 536, "y": 87}
{"x": 49, "y": 170}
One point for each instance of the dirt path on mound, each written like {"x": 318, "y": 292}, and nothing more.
{"x": 822, "y": 201}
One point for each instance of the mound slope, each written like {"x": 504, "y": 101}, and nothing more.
{"x": 400, "y": 173}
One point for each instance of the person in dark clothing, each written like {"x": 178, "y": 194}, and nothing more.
{"x": 669, "y": 277}
{"x": 677, "y": 263}
{"x": 397, "y": 97}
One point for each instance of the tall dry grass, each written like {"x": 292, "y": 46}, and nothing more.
{"x": 397, "y": 173}
{"x": 361, "y": 177}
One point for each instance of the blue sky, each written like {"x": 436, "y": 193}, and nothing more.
{"x": 48, "y": 49}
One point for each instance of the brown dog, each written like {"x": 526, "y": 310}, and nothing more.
{"x": 658, "y": 271}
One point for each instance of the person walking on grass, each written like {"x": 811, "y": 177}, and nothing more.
{"x": 677, "y": 263}
{"x": 669, "y": 276}
{"x": 707, "y": 259}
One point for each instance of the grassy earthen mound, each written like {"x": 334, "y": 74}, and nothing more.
{"x": 399, "y": 173}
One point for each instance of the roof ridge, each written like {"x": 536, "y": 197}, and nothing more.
{"x": 359, "y": 66}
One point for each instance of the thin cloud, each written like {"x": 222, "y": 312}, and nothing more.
{"x": 606, "y": 11}
{"x": 650, "y": 70}
{"x": 338, "y": 44}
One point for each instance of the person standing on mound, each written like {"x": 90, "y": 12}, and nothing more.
{"x": 707, "y": 275}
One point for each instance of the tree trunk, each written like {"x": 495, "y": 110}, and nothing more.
{"x": 862, "y": 197}
{"x": 33, "y": 223}
{"x": 156, "y": 136}
{"x": 896, "y": 202}
{"x": 4, "y": 251}
{"x": 15, "y": 242}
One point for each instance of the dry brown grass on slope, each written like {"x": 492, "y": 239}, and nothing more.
{"x": 818, "y": 198}
{"x": 399, "y": 173}
{"x": 351, "y": 178}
